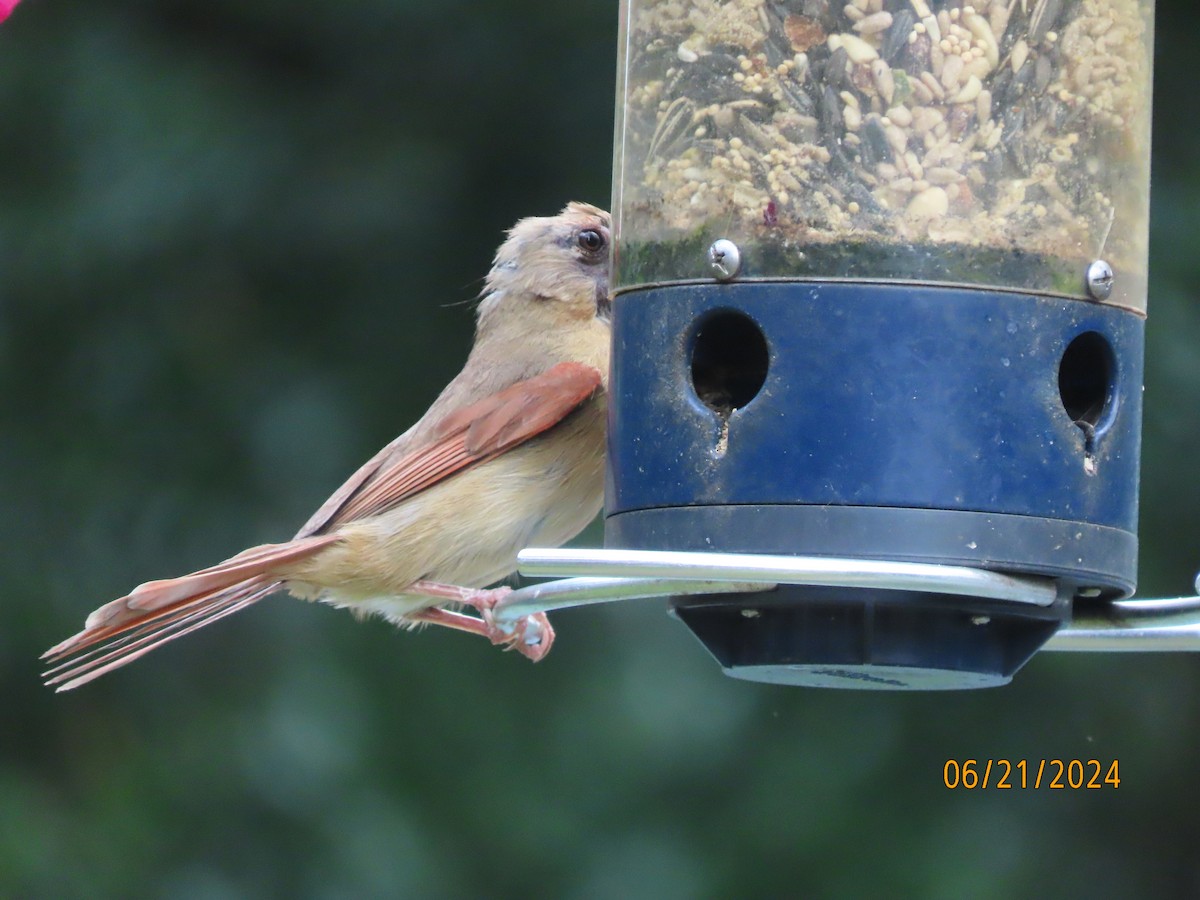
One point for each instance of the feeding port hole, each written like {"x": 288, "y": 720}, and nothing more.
{"x": 729, "y": 361}
{"x": 1087, "y": 381}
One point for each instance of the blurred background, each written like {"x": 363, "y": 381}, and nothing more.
{"x": 238, "y": 241}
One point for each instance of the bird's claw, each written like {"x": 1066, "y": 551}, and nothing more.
{"x": 531, "y": 636}
{"x": 536, "y": 636}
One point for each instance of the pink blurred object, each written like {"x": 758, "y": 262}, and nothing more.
{"x": 6, "y": 7}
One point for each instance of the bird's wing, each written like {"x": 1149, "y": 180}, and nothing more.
{"x": 469, "y": 435}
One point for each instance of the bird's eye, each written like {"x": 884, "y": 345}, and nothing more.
{"x": 591, "y": 240}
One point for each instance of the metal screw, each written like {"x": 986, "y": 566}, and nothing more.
{"x": 724, "y": 258}
{"x": 1100, "y": 279}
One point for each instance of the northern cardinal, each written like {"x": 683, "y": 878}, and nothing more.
{"x": 510, "y": 454}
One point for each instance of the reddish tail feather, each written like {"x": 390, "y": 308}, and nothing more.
{"x": 160, "y": 611}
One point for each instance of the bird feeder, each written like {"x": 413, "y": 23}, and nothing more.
{"x": 879, "y": 291}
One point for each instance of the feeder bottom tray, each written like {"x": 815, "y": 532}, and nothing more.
{"x": 869, "y": 639}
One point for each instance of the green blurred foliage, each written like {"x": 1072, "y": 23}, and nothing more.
{"x": 237, "y": 241}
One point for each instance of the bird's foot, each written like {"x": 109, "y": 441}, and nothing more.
{"x": 531, "y": 636}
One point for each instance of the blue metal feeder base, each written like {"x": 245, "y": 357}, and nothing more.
{"x": 971, "y": 427}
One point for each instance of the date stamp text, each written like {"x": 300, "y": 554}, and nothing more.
{"x": 1031, "y": 774}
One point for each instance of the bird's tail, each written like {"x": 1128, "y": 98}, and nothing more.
{"x": 159, "y": 611}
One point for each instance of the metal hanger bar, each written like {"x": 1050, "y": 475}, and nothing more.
{"x": 1132, "y": 625}
{"x": 568, "y": 592}
{"x": 1161, "y": 625}
{"x": 766, "y": 569}
{"x": 1077, "y": 637}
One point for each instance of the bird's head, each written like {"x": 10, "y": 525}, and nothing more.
{"x": 561, "y": 260}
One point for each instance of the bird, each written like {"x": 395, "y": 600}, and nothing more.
{"x": 510, "y": 454}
